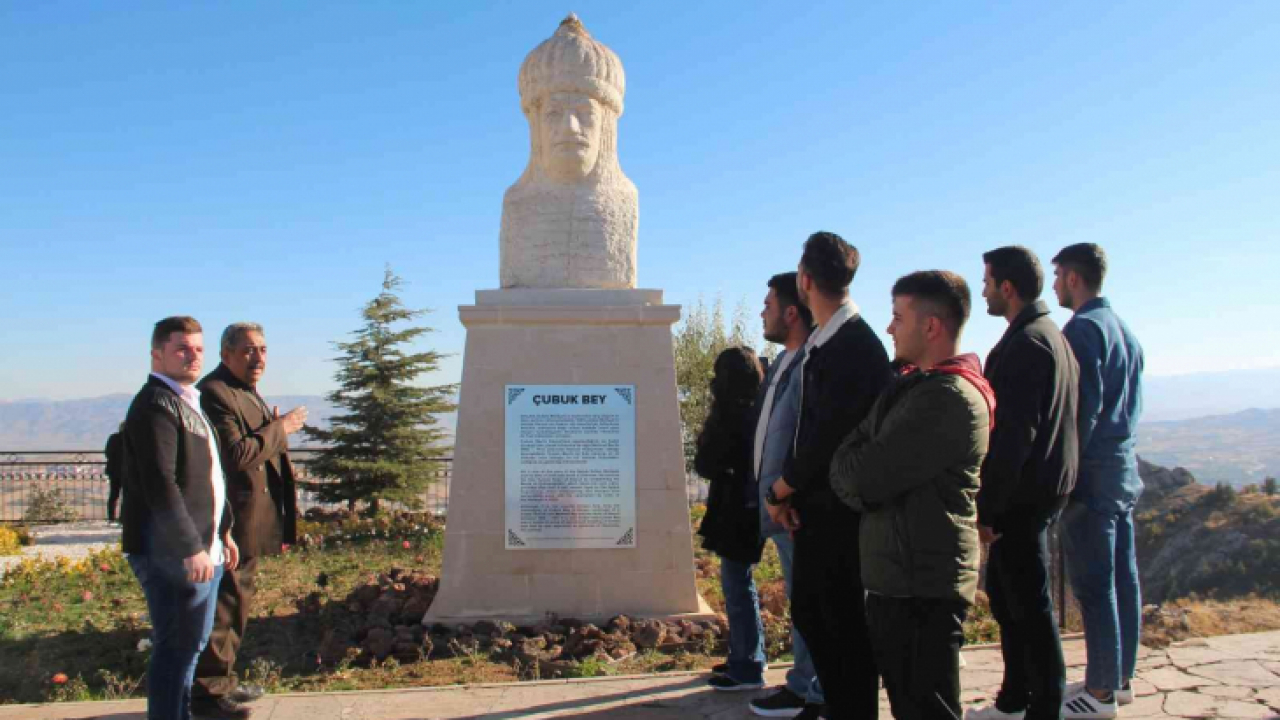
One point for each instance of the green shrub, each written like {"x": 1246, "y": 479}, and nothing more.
{"x": 47, "y": 506}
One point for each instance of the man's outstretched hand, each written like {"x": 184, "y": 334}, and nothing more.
{"x": 293, "y": 420}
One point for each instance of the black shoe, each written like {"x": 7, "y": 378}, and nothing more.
{"x": 782, "y": 703}
{"x": 247, "y": 693}
{"x": 811, "y": 711}
{"x": 222, "y": 708}
{"x": 720, "y": 669}
{"x": 724, "y": 683}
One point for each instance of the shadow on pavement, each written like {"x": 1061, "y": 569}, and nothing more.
{"x": 589, "y": 707}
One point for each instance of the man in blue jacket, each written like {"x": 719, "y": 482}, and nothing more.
{"x": 787, "y": 322}
{"x": 1098, "y": 523}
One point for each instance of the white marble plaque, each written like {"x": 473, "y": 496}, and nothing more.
{"x": 570, "y": 466}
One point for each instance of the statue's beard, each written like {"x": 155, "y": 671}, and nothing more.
{"x": 570, "y": 165}
{"x": 569, "y": 234}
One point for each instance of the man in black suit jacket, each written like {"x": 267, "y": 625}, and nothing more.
{"x": 844, "y": 369}
{"x": 263, "y": 499}
{"x": 1027, "y": 476}
{"x": 177, "y": 524}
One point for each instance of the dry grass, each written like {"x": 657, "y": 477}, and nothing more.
{"x": 1194, "y": 618}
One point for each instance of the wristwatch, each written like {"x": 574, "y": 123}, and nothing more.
{"x": 772, "y": 498}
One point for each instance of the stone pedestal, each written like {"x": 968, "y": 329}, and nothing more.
{"x": 578, "y": 336}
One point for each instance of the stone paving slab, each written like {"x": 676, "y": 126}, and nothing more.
{"x": 1228, "y": 677}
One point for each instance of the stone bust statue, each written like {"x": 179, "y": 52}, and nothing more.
{"x": 570, "y": 220}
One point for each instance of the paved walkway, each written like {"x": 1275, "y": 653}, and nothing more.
{"x": 1229, "y": 677}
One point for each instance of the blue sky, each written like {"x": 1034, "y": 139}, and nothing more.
{"x": 265, "y": 161}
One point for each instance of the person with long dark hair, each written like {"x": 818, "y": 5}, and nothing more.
{"x": 731, "y": 527}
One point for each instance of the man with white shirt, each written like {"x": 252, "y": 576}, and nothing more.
{"x": 177, "y": 525}
{"x": 844, "y": 369}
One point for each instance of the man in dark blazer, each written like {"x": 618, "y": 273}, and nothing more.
{"x": 844, "y": 369}
{"x": 262, "y": 496}
{"x": 1027, "y": 476}
{"x": 177, "y": 524}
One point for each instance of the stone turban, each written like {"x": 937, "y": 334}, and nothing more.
{"x": 572, "y": 61}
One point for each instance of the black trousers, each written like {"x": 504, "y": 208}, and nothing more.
{"x": 827, "y": 607}
{"x": 917, "y": 645}
{"x": 113, "y": 498}
{"x": 214, "y": 669}
{"x": 1022, "y": 602}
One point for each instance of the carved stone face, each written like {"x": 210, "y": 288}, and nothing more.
{"x": 569, "y": 133}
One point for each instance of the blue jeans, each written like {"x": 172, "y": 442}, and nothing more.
{"x": 181, "y": 618}
{"x": 746, "y": 630}
{"x": 802, "y": 678}
{"x": 1103, "y": 568}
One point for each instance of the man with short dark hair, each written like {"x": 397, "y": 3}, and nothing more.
{"x": 786, "y": 322}
{"x": 177, "y": 524}
{"x": 911, "y": 468}
{"x": 263, "y": 500}
{"x": 1029, "y": 470}
{"x": 1097, "y": 526}
{"x": 844, "y": 369}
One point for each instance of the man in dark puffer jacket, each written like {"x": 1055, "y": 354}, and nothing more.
{"x": 911, "y": 468}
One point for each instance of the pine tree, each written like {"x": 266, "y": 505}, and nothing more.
{"x": 388, "y": 444}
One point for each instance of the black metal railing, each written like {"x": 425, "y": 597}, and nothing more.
{"x": 72, "y": 485}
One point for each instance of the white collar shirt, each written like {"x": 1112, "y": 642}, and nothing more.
{"x": 847, "y": 311}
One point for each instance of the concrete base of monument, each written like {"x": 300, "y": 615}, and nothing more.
{"x": 567, "y": 337}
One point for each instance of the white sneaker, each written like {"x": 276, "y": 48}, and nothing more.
{"x": 991, "y": 712}
{"x": 1080, "y": 703}
{"x": 1124, "y": 696}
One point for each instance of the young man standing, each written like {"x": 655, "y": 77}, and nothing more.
{"x": 786, "y": 322}
{"x": 1028, "y": 473}
{"x": 911, "y": 468}
{"x": 844, "y": 369}
{"x": 1098, "y": 523}
{"x": 177, "y": 525}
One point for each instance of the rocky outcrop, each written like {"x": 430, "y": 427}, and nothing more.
{"x": 1211, "y": 541}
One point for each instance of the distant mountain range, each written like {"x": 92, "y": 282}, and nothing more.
{"x": 1193, "y": 421}
{"x": 85, "y": 424}
{"x": 1196, "y": 395}
{"x": 1238, "y": 449}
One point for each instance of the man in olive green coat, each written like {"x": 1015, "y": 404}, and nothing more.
{"x": 911, "y": 468}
